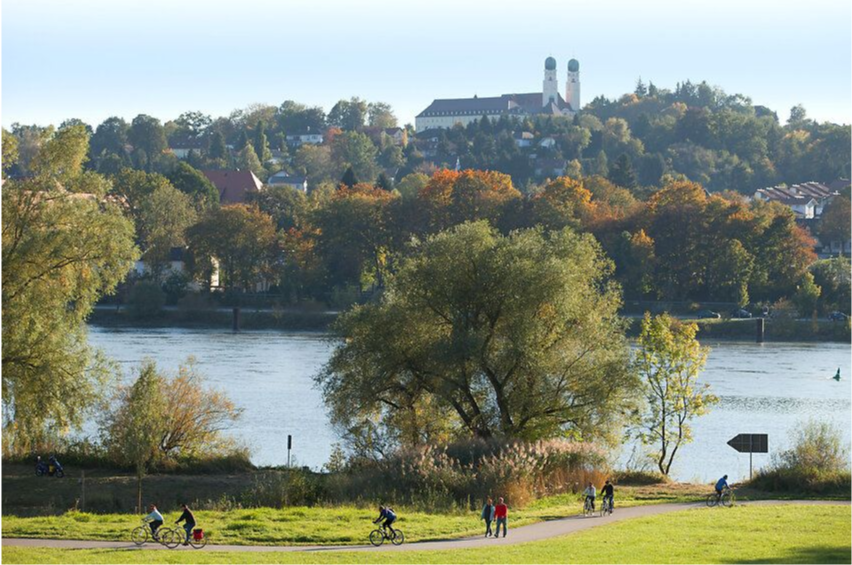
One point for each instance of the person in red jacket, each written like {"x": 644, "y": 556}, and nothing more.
{"x": 501, "y": 513}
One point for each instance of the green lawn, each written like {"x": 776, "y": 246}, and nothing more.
{"x": 324, "y": 525}
{"x": 779, "y": 534}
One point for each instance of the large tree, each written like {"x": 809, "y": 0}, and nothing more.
{"x": 241, "y": 238}
{"x": 62, "y": 251}
{"x": 513, "y": 337}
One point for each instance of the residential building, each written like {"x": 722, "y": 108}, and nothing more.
{"x": 234, "y": 186}
{"x": 283, "y": 178}
{"x": 797, "y": 196}
{"x": 307, "y": 137}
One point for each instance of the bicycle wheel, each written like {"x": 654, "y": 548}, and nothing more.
{"x": 197, "y": 544}
{"x": 59, "y": 473}
{"x": 727, "y": 499}
{"x": 712, "y": 500}
{"x": 170, "y": 538}
{"x": 398, "y": 537}
{"x": 377, "y": 537}
{"x": 139, "y": 535}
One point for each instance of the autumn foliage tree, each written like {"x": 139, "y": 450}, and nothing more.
{"x": 241, "y": 239}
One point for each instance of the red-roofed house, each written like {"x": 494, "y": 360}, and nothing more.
{"x": 234, "y": 186}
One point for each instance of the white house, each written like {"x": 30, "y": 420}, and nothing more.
{"x": 523, "y": 138}
{"x": 282, "y": 178}
{"x": 304, "y": 138}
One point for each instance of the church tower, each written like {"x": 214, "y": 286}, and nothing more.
{"x": 550, "y": 87}
{"x": 572, "y": 85}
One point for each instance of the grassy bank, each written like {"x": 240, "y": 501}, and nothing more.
{"x": 341, "y": 524}
{"x": 784, "y": 534}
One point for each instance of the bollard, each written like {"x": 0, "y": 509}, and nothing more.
{"x": 761, "y": 329}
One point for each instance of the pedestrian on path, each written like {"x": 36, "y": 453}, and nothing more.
{"x": 501, "y": 512}
{"x": 488, "y": 515}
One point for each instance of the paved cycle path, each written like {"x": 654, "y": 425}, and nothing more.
{"x": 533, "y": 532}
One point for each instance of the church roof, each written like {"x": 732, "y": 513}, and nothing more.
{"x": 525, "y": 103}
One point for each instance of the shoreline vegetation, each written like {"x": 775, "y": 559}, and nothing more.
{"x": 320, "y": 321}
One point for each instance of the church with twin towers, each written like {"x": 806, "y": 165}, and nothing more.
{"x": 445, "y": 113}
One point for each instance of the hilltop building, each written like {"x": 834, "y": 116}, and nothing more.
{"x": 445, "y": 113}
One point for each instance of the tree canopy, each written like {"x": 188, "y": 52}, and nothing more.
{"x": 513, "y": 336}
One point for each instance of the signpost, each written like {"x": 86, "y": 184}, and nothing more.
{"x": 750, "y": 443}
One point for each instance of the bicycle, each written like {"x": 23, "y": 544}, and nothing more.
{"x": 606, "y": 506}
{"x": 379, "y": 535}
{"x": 726, "y": 499}
{"x": 164, "y": 536}
{"x": 588, "y": 507}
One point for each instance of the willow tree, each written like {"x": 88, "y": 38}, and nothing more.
{"x": 65, "y": 245}
{"x": 670, "y": 360}
{"x": 481, "y": 335}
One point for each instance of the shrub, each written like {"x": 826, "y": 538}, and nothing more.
{"x": 146, "y": 300}
{"x": 277, "y": 489}
{"x": 817, "y": 463}
{"x": 639, "y": 478}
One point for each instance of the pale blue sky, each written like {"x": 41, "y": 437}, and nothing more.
{"x": 95, "y": 58}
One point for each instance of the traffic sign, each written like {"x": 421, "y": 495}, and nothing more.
{"x": 750, "y": 443}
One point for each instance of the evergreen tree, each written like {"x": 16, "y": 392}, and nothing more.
{"x": 601, "y": 165}
{"x": 242, "y": 141}
{"x": 621, "y": 173}
{"x": 349, "y": 179}
{"x": 261, "y": 145}
{"x": 384, "y": 182}
{"x": 641, "y": 89}
{"x": 217, "y": 148}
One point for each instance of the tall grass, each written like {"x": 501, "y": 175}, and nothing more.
{"x": 462, "y": 474}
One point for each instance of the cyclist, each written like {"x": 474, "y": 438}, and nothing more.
{"x": 154, "y": 519}
{"x": 721, "y": 484}
{"x": 188, "y": 519}
{"x": 53, "y": 466}
{"x": 389, "y": 516}
{"x": 590, "y": 493}
{"x": 607, "y": 494}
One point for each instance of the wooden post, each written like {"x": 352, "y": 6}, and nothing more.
{"x": 236, "y": 324}
{"x": 761, "y": 329}
{"x": 82, "y": 491}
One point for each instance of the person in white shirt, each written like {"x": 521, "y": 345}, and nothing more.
{"x": 154, "y": 519}
{"x": 590, "y": 493}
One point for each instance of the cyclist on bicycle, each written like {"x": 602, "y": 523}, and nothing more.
{"x": 154, "y": 519}
{"x": 188, "y": 519}
{"x": 607, "y": 494}
{"x": 721, "y": 484}
{"x": 389, "y": 516}
{"x": 590, "y": 493}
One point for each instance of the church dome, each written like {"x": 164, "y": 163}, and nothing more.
{"x": 573, "y": 66}
{"x": 550, "y": 64}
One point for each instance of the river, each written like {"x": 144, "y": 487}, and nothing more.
{"x": 769, "y": 388}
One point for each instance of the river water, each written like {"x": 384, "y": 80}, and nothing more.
{"x": 770, "y": 388}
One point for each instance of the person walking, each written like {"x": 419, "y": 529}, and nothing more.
{"x": 488, "y": 516}
{"x": 501, "y": 513}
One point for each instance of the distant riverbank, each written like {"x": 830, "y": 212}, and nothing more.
{"x": 313, "y": 320}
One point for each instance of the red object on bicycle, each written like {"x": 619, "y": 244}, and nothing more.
{"x": 197, "y": 534}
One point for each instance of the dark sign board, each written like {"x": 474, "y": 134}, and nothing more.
{"x": 750, "y": 443}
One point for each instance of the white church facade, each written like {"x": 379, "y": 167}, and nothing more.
{"x": 445, "y": 113}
